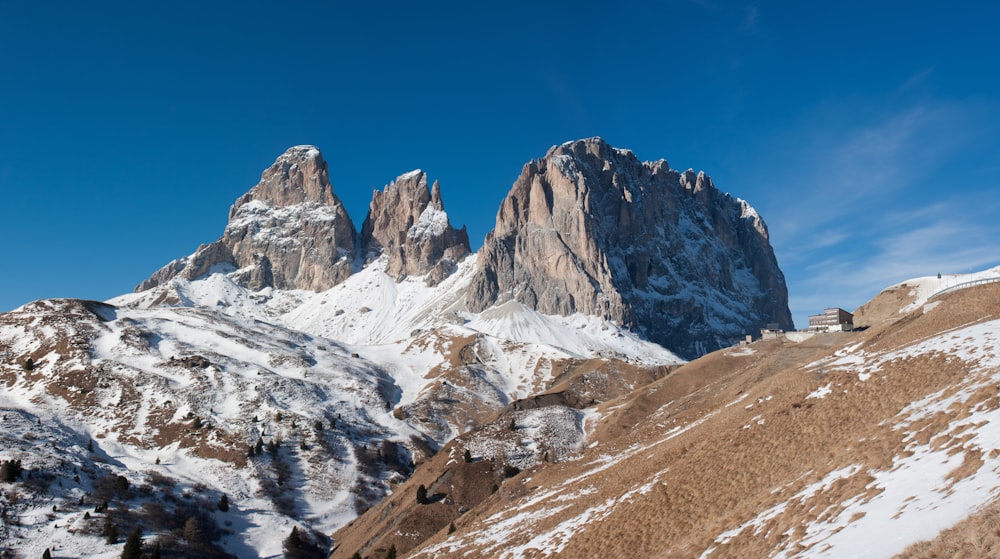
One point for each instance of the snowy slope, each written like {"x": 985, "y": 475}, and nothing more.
{"x": 184, "y": 392}
{"x": 922, "y": 289}
{"x": 407, "y": 327}
{"x": 192, "y": 373}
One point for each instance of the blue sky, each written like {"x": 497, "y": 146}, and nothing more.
{"x": 867, "y": 137}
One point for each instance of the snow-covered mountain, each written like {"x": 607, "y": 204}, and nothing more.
{"x": 297, "y": 373}
{"x": 296, "y": 366}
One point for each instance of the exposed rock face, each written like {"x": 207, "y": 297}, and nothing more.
{"x": 591, "y": 229}
{"x": 288, "y": 232}
{"x": 407, "y": 222}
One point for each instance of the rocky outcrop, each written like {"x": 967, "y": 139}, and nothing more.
{"x": 591, "y": 229}
{"x": 407, "y": 223}
{"x": 290, "y": 231}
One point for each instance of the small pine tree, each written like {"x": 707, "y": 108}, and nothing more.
{"x": 224, "y": 503}
{"x": 318, "y": 426}
{"x": 47, "y": 554}
{"x": 10, "y": 470}
{"x": 90, "y": 445}
{"x": 110, "y": 531}
{"x": 421, "y": 495}
{"x": 155, "y": 554}
{"x": 192, "y": 532}
{"x": 133, "y": 545}
{"x": 356, "y": 555}
{"x": 451, "y": 528}
{"x": 29, "y": 364}
{"x": 391, "y": 554}
{"x": 293, "y": 545}
{"x": 467, "y": 456}
{"x": 272, "y": 448}
{"x": 513, "y": 425}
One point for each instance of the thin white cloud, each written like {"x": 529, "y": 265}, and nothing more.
{"x": 916, "y": 79}
{"x": 941, "y": 238}
{"x": 751, "y": 18}
{"x": 871, "y": 204}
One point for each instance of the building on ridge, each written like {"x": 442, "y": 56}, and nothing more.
{"x": 832, "y": 320}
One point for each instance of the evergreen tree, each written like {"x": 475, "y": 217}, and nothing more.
{"x": 356, "y": 555}
{"x": 224, "y": 503}
{"x": 298, "y": 546}
{"x": 391, "y": 554}
{"x": 29, "y": 364}
{"x": 90, "y": 445}
{"x": 110, "y": 531}
{"x": 10, "y": 470}
{"x": 155, "y": 554}
{"x": 192, "y": 532}
{"x": 133, "y": 545}
{"x": 47, "y": 554}
{"x": 259, "y": 447}
{"x": 467, "y": 456}
{"x": 421, "y": 495}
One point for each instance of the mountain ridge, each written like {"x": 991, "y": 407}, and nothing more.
{"x": 304, "y": 368}
{"x": 588, "y": 228}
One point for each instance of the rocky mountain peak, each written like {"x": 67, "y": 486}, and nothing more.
{"x": 589, "y": 228}
{"x": 290, "y": 231}
{"x": 299, "y": 175}
{"x": 406, "y": 221}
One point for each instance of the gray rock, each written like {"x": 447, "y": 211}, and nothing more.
{"x": 591, "y": 229}
{"x": 407, "y": 222}
{"x": 289, "y": 232}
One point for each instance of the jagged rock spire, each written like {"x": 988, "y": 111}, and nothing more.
{"x": 406, "y": 222}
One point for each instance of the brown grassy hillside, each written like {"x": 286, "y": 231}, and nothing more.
{"x": 843, "y": 444}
